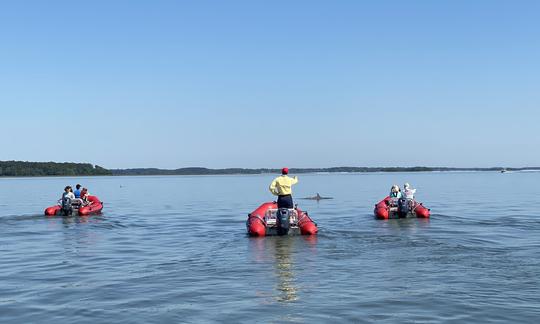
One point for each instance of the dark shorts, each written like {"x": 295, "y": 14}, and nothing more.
{"x": 285, "y": 201}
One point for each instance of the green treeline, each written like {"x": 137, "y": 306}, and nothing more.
{"x": 37, "y": 169}
{"x": 206, "y": 171}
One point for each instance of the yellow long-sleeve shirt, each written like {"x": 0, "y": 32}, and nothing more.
{"x": 282, "y": 185}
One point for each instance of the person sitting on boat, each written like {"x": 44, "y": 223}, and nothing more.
{"x": 408, "y": 192}
{"x": 77, "y": 191}
{"x": 84, "y": 197}
{"x": 395, "y": 192}
{"x": 281, "y": 187}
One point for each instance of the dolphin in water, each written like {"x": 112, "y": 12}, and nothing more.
{"x": 317, "y": 197}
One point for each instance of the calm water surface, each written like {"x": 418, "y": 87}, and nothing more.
{"x": 174, "y": 249}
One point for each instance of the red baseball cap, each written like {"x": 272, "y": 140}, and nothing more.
{"x": 285, "y": 171}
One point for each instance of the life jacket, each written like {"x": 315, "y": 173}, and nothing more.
{"x": 396, "y": 194}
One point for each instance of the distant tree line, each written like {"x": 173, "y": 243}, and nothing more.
{"x": 29, "y": 169}
{"x": 37, "y": 169}
{"x": 206, "y": 171}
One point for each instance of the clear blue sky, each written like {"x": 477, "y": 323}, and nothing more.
{"x": 271, "y": 83}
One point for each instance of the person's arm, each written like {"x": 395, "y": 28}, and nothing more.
{"x": 273, "y": 188}
{"x": 294, "y": 180}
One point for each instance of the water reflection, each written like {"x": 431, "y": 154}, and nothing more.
{"x": 282, "y": 253}
{"x": 78, "y": 232}
{"x": 71, "y": 221}
{"x": 286, "y": 281}
{"x": 403, "y": 224}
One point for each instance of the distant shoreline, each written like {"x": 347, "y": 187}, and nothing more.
{"x": 15, "y": 169}
{"x": 237, "y": 171}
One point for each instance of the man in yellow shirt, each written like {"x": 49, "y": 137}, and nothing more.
{"x": 281, "y": 187}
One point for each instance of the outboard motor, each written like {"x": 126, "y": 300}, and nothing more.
{"x": 67, "y": 209}
{"x": 403, "y": 207}
{"x": 283, "y": 220}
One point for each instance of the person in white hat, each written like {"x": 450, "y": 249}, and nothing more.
{"x": 408, "y": 191}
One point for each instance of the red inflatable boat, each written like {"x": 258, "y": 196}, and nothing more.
{"x": 400, "y": 208}
{"x": 94, "y": 207}
{"x": 269, "y": 220}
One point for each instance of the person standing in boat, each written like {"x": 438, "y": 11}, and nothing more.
{"x": 67, "y": 194}
{"x": 66, "y": 201}
{"x": 67, "y": 197}
{"x": 282, "y": 187}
